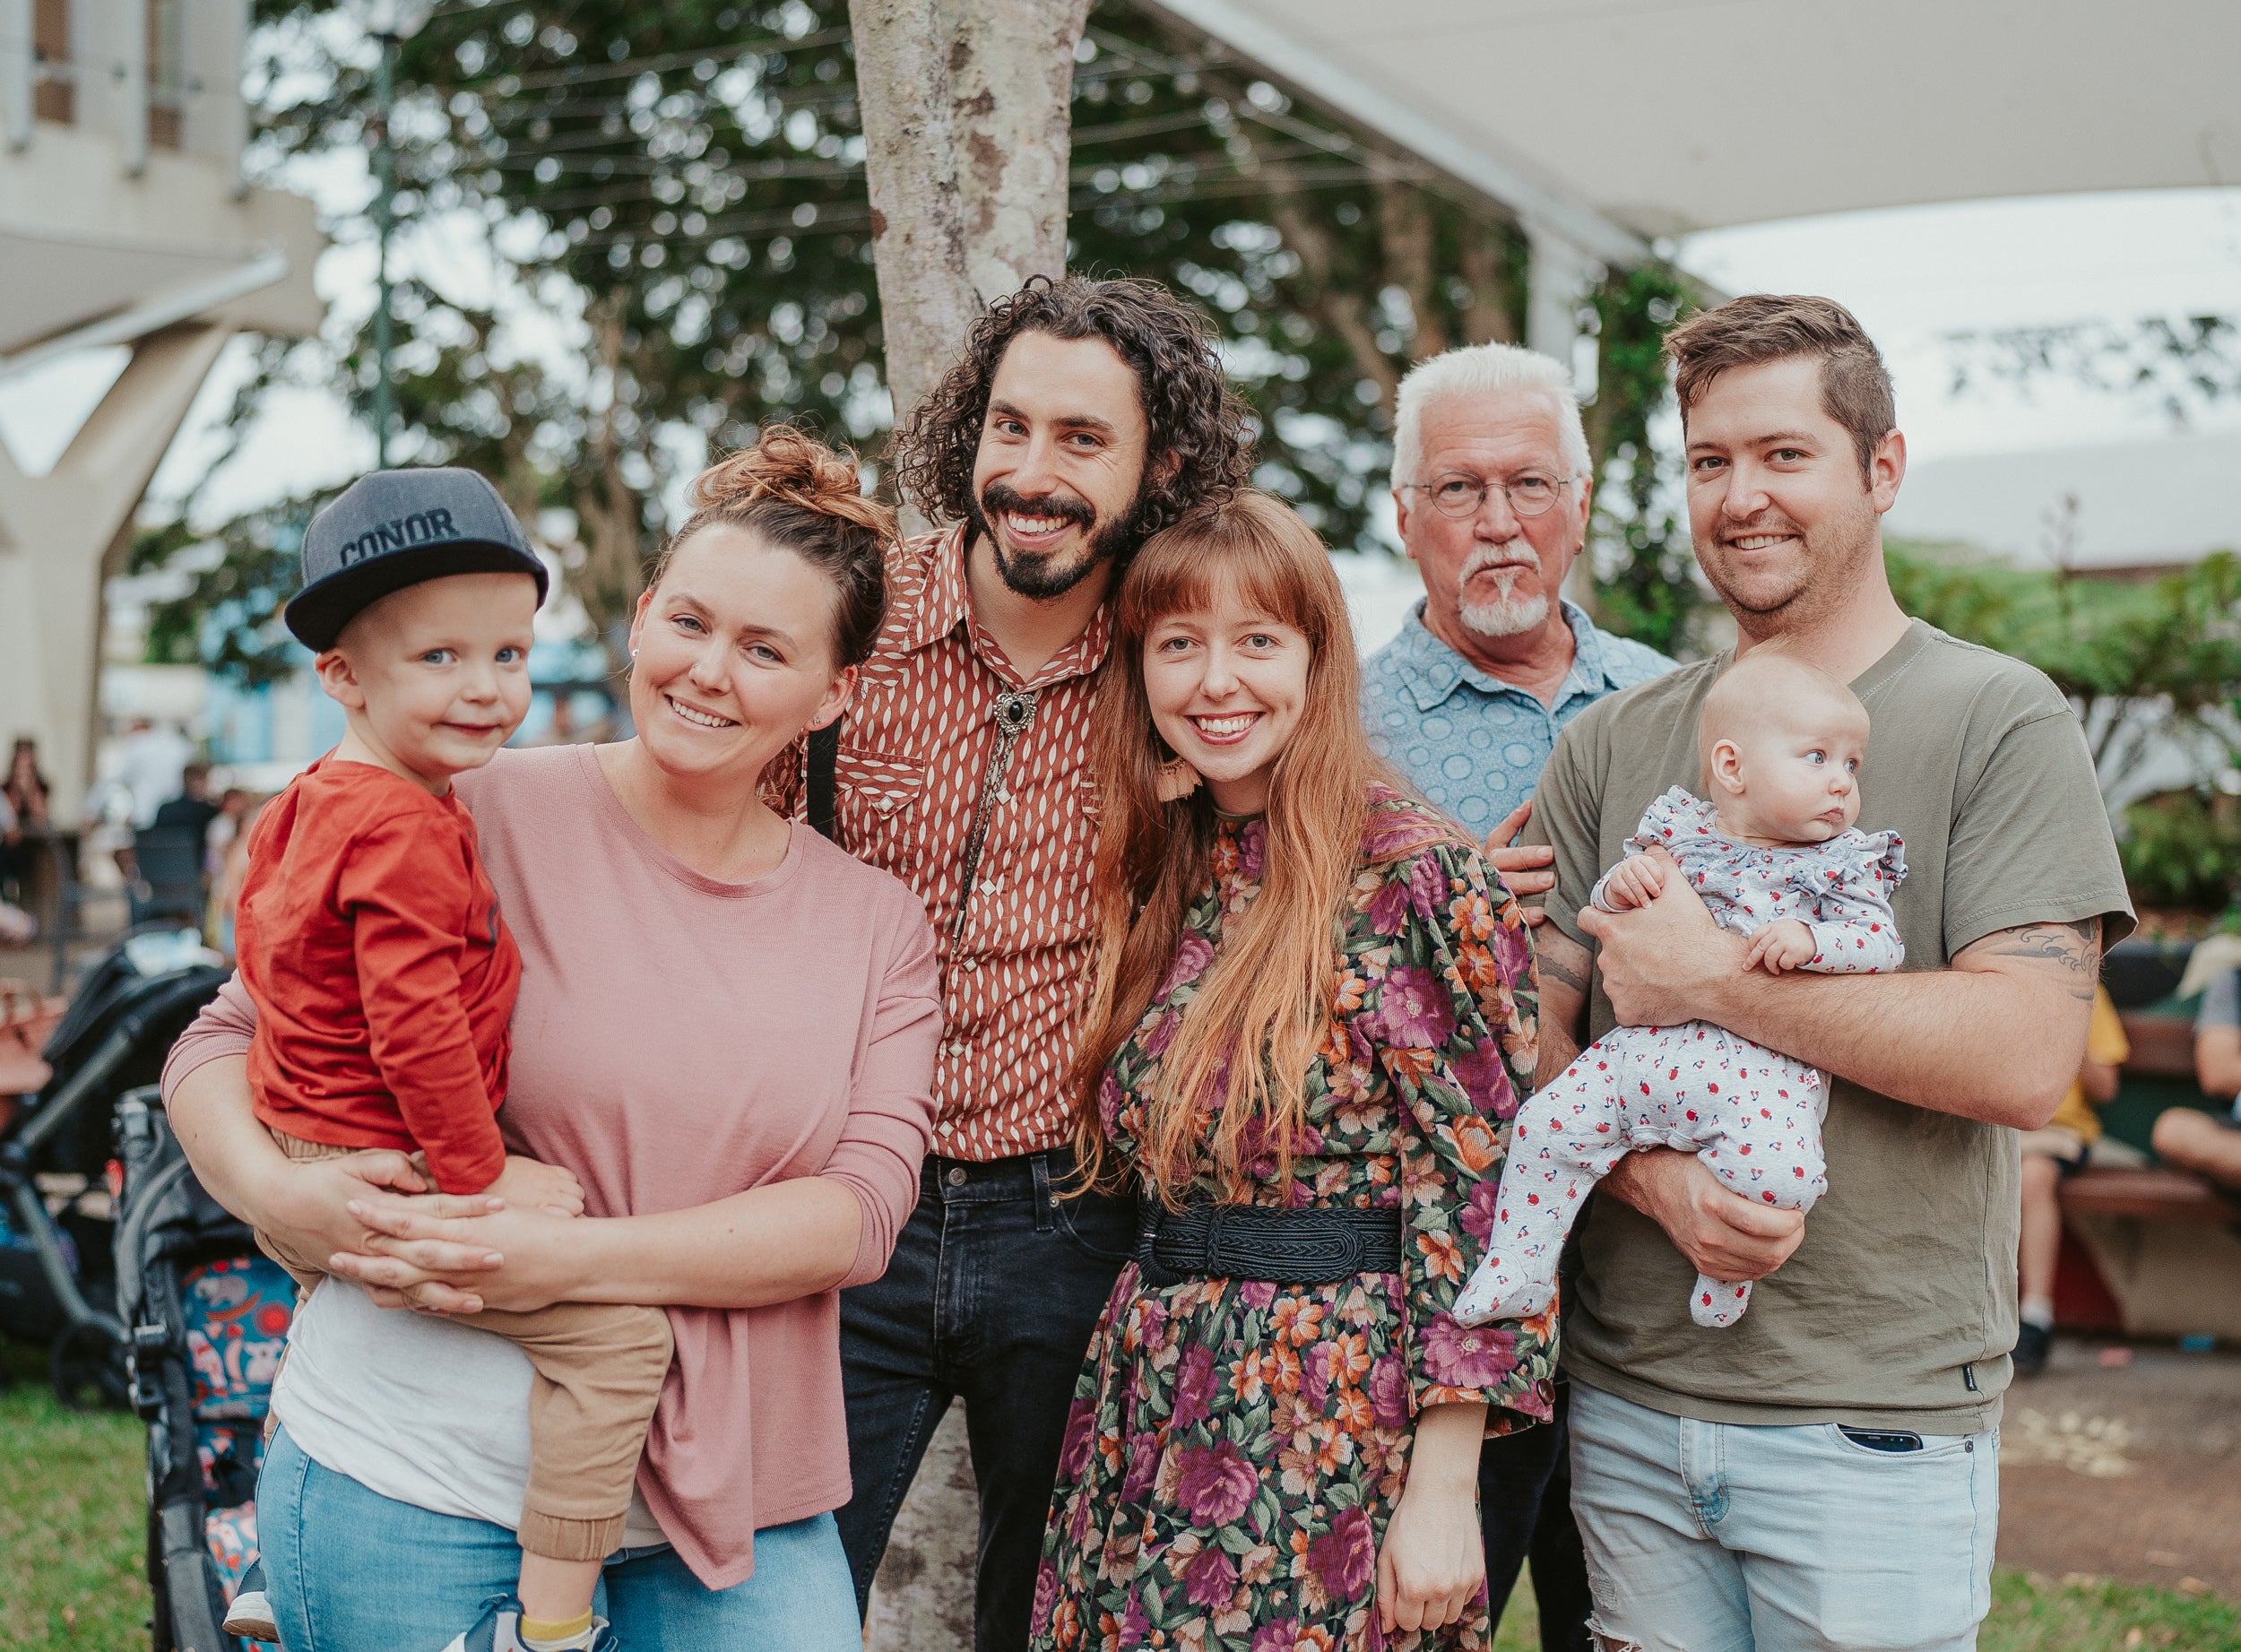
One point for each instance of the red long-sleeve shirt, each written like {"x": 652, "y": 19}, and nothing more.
{"x": 370, "y": 939}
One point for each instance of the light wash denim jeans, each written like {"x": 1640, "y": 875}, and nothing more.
{"x": 351, "y": 1570}
{"x": 1717, "y": 1537}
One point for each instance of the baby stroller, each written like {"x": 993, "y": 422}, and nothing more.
{"x": 57, "y": 1282}
{"x": 208, "y": 1317}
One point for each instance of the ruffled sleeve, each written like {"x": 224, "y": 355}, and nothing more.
{"x": 1448, "y": 1011}
{"x": 1854, "y": 930}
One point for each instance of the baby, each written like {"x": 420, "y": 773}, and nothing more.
{"x": 1774, "y": 857}
{"x": 384, "y": 976}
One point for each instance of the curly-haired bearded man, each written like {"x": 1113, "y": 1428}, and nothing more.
{"x": 1085, "y": 416}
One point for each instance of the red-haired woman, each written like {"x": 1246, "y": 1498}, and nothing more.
{"x": 1314, "y": 1015}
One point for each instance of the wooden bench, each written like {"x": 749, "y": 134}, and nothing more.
{"x": 2148, "y": 1251}
{"x": 2162, "y": 1045}
{"x": 2155, "y": 1195}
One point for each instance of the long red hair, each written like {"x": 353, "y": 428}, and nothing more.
{"x": 1269, "y": 991}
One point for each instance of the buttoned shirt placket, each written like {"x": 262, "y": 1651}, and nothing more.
{"x": 1433, "y": 679}
{"x": 1012, "y": 710}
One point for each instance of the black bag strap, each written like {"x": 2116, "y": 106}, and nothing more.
{"x": 824, "y": 753}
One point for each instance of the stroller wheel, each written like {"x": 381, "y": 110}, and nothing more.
{"x": 86, "y": 1368}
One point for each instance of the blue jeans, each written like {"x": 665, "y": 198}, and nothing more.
{"x": 996, "y": 1284}
{"x": 344, "y": 1564}
{"x": 1717, "y": 1537}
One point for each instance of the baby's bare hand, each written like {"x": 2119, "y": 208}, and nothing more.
{"x": 1785, "y": 944}
{"x": 529, "y": 1184}
{"x": 1635, "y": 881}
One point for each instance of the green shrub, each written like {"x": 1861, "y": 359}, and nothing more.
{"x": 2182, "y": 850}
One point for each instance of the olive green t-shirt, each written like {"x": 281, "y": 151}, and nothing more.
{"x": 1898, "y": 1309}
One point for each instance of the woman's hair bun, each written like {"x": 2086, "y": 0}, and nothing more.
{"x": 795, "y": 491}
{"x": 789, "y": 465}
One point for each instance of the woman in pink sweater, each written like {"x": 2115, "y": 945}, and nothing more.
{"x": 722, "y": 1048}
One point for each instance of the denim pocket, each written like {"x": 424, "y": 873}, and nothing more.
{"x": 1933, "y": 1448}
{"x": 1098, "y": 1225}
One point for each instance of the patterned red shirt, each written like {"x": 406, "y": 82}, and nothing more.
{"x": 914, "y": 759}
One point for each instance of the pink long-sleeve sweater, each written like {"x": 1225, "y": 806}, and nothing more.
{"x": 677, "y": 1041}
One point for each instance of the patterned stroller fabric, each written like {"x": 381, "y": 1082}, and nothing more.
{"x": 238, "y": 1311}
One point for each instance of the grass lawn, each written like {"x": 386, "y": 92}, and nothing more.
{"x": 72, "y": 1519}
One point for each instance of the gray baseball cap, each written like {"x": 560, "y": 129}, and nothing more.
{"x": 399, "y": 528}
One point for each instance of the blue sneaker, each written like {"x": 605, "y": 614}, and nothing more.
{"x": 499, "y": 1630}
{"x": 250, "y": 1614}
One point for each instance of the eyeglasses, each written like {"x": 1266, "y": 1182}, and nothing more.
{"x": 1458, "y": 494}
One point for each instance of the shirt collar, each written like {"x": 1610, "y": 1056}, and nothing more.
{"x": 1432, "y": 669}
{"x": 945, "y": 604}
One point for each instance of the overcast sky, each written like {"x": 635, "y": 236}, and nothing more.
{"x": 1914, "y": 275}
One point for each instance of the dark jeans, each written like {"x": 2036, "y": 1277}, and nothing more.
{"x": 996, "y": 1284}
{"x": 1525, "y": 1515}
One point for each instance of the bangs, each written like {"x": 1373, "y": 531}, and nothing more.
{"x": 1254, "y": 548}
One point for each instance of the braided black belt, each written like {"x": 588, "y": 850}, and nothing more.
{"x": 1261, "y": 1243}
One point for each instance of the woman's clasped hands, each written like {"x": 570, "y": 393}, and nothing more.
{"x": 449, "y": 1253}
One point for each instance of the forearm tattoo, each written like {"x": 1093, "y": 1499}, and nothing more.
{"x": 1561, "y": 960}
{"x": 2073, "y": 949}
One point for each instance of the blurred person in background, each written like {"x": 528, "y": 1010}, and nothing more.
{"x": 23, "y": 816}
{"x": 26, "y": 788}
{"x": 16, "y": 925}
{"x": 150, "y": 764}
{"x": 233, "y": 803}
{"x": 2210, "y": 1144}
{"x": 228, "y": 860}
{"x": 192, "y": 810}
{"x": 2053, "y": 1154}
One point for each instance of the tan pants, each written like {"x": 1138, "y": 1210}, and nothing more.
{"x": 598, "y": 1371}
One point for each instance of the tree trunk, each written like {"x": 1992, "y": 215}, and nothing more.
{"x": 1011, "y": 65}
{"x": 911, "y": 162}
{"x": 967, "y": 123}
{"x": 1404, "y": 225}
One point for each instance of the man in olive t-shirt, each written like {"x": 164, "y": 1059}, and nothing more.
{"x": 1824, "y": 1473}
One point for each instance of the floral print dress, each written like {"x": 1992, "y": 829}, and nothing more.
{"x": 1235, "y": 1447}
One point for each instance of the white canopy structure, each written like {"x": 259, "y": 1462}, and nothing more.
{"x": 124, "y": 221}
{"x": 1603, "y": 123}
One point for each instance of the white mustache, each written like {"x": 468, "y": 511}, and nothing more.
{"x": 1517, "y": 553}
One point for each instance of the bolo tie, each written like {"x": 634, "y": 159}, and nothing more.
{"x": 1015, "y": 710}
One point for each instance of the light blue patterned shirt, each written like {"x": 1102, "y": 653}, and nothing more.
{"x": 1471, "y": 742}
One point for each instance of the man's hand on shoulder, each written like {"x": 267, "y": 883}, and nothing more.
{"x": 1529, "y": 870}
{"x": 1724, "y": 1235}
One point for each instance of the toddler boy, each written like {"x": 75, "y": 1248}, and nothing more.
{"x": 369, "y": 937}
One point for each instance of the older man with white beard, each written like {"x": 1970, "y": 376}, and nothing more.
{"x": 1492, "y": 476}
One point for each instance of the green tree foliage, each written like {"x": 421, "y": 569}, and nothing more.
{"x": 1645, "y": 567}
{"x": 2182, "y": 850}
{"x": 2144, "y": 662}
{"x": 670, "y": 205}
